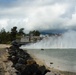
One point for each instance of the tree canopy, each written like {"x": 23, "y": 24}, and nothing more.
{"x": 21, "y": 31}
{"x": 34, "y": 33}
{"x": 7, "y": 37}
{"x": 13, "y": 33}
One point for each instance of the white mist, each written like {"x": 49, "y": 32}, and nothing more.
{"x": 66, "y": 40}
{"x": 63, "y": 59}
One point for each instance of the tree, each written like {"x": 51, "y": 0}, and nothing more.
{"x": 21, "y": 31}
{"x": 34, "y": 33}
{"x": 3, "y": 35}
{"x": 37, "y": 33}
{"x": 13, "y": 33}
{"x": 3, "y": 30}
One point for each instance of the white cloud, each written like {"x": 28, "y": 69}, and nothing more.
{"x": 38, "y": 14}
{"x": 3, "y": 23}
{"x": 45, "y": 17}
{"x": 72, "y": 21}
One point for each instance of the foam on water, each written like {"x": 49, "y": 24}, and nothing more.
{"x": 66, "y": 40}
{"x": 63, "y": 59}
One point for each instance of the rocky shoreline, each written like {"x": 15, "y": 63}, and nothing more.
{"x": 15, "y": 61}
{"x": 24, "y": 63}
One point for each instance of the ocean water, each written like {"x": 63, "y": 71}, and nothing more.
{"x": 62, "y": 59}
{"x": 60, "y": 50}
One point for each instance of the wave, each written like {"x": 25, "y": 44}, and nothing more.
{"x": 66, "y": 40}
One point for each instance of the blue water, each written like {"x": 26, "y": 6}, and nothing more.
{"x": 63, "y": 59}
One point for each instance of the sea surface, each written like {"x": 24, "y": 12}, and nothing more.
{"x": 62, "y": 59}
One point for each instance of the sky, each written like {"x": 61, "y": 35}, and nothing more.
{"x": 39, "y": 15}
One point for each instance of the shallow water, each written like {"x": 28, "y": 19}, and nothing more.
{"x": 62, "y": 59}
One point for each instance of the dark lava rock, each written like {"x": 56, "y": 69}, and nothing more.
{"x": 31, "y": 70}
{"x": 23, "y": 62}
{"x": 43, "y": 70}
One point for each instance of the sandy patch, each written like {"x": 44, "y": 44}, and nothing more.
{"x": 5, "y": 64}
{"x": 4, "y": 45}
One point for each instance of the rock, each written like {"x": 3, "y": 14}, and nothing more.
{"x": 18, "y": 66}
{"x": 24, "y": 63}
{"x": 51, "y": 62}
{"x": 42, "y": 49}
{"x": 31, "y": 70}
{"x": 21, "y": 61}
{"x": 43, "y": 70}
{"x": 29, "y": 62}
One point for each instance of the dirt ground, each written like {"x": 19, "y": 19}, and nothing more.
{"x": 5, "y": 65}
{"x": 4, "y": 45}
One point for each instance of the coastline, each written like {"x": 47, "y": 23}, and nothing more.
{"x": 24, "y": 63}
{"x": 53, "y": 70}
{"x": 38, "y": 61}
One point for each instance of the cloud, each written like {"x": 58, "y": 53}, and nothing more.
{"x": 38, "y": 14}
{"x": 45, "y": 17}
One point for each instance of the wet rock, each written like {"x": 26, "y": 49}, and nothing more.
{"x": 23, "y": 62}
{"x": 29, "y": 62}
{"x": 31, "y": 70}
{"x": 51, "y": 62}
{"x": 19, "y": 67}
{"x": 43, "y": 70}
{"x": 42, "y": 49}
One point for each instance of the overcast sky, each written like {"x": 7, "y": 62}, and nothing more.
{"x": 38, "y": 14}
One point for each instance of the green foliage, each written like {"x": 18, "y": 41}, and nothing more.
{"x": 7, "y": 37}
{"x": 13, "y": 33}
{"x": 34, "y": 33}
{"x": 21, "y": 32}
{"x": 4, "y": 36}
